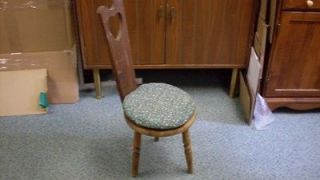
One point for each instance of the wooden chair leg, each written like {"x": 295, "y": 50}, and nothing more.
{"x": 156, "y": 138}
{"x": 187, "y": 150}
{"x": 136, "y": 153}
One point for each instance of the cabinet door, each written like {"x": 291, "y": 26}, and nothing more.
{"x": 294, "y": 66}
{"x": 209, "y": 32}
{"x": 146, "y": 32}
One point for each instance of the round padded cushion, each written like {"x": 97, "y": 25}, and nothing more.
{"x": 158, "y": 106}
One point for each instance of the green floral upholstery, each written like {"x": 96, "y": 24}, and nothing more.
{"x": 158, "y": 106}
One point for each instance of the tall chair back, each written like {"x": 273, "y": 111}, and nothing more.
{"x": 120, "y": 48}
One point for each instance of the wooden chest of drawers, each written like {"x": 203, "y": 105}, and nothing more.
{"x": 293, "y": 71}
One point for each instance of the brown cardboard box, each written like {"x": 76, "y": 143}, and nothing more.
{"x": 249, "y": 85}
{"x": 20, "y": 91}
{"x": 260, "y": 39}
{"x": 263, "y": 9}
{"x": 62, "y": 71}
{"x": 37, "y": 25}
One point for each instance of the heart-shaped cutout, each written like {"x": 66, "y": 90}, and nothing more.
{"x": 115, "y": 25}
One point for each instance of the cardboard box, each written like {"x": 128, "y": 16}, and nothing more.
{"x": 263, "y": 9}
{"x": 62, "y": 71}
{"x": 260, "y": 39}
{"x": 20, "y": 92}
{"x": 249, "y": 85}
{"x": 37, "y": 25}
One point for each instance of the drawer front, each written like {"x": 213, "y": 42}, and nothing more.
{"x": 306, "y": 5}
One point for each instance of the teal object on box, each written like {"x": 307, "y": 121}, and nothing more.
{"x": 43, "y": 100}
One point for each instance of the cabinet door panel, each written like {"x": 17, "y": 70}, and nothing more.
{"x": 294, "y": 67}
{"x": 210, "y": 32}
{"x": 146, "y": 32}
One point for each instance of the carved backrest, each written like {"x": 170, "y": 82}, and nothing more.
{"x": 119, "y": 47}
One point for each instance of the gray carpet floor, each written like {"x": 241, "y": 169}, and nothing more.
{"x": 90, "y": 140}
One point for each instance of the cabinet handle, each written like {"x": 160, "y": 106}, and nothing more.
{"x": 161, "y": 12}
{"x": 277, "y": 29}
{"x": 310, "y": 3}
{"x": 173, "y": 13}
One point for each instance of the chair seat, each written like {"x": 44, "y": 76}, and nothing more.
{"x": 158, "y": 106}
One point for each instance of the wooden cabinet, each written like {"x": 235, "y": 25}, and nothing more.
{"x": 293, "y": 73}
{"x": 174, "y": 33}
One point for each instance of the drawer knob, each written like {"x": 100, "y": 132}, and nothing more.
{"x": 310, "y": 3}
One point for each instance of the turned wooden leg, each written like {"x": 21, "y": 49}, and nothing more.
{"x": 136, "y": 153}
{"x": 187, "y": 150}
{"x": 156, "y": 138}
{"x": 233, "y": 83}
{"x": 97, "y": 83}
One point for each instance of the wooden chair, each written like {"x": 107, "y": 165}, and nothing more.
{"x": 129, "y": 91}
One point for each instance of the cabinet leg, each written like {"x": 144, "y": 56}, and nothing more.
{"x": 233, "y": 83}
{"x": 97, "y": 83}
